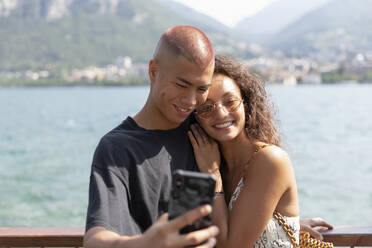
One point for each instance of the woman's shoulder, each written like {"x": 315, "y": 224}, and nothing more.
{"x": 271, "y": 157}
{"x": 272, "y": 151}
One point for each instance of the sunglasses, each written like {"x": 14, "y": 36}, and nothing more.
{"x": 205, "y": 111}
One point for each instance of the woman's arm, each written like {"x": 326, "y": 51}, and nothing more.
{"x": 268, "y": 179}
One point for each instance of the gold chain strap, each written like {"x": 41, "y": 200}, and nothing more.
{"x": 286, "y": 228}
{"x": 305, "y": 240}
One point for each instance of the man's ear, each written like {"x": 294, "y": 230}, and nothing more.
{"x": 153, "y": 70}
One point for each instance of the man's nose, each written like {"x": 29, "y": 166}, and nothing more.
{"x": 189, "y": 99}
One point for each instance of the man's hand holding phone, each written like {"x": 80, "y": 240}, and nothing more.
{"x": 166, "y": 233}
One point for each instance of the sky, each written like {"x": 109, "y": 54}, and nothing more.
{"x": 228, "y": 12}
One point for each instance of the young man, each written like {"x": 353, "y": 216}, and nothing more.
{"x": 132, "y": 166}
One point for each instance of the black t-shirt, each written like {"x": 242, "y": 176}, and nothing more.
{"x": 130, "y": 177}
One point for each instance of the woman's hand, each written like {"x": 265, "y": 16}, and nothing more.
{"x": 207, "y": 153}
{"x": 314, "y": 226}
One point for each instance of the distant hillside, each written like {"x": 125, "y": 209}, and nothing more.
{"x": 274, "y": 17}
{"x": 339, "y": 26}
{"x": 189, "y": 13}
{"x": 77, "y": 33}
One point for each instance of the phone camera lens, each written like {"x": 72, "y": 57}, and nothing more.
{"x": 178, "y": 183}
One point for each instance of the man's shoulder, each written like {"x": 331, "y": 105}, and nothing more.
{"x": 122, "y": 133}
{"x": 117, "y": 147}
{"x": 119, "y": 138}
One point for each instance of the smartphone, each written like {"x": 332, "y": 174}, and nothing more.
{"x": 190, "y": 190}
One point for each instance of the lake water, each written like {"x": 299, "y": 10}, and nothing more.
{"x": 48, "y": 136}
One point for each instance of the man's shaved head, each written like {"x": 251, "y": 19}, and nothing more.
{"x": 180, "y": 73}
{"x": 187, "y": 41}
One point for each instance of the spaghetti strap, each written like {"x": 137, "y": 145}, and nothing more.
{"x": 258, "y": 148}
{"x": 242, "y": 174}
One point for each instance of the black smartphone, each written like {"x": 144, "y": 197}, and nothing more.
{"x": 190, "y": 190}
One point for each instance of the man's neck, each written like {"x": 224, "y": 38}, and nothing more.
{"x": 150, "y": 118}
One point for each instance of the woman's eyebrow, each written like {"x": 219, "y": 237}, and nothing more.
{"x": 229, "y": 94}
{"x": 226, "y": 95}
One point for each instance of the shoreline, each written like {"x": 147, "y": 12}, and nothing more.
{"x": 119, "y": 84}
{"x": 71, "y": 85}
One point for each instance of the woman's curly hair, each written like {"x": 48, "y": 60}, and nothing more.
{"x": 258, "y": 109}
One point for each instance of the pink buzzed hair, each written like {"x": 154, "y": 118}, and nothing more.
{"x": 189, "y": 42}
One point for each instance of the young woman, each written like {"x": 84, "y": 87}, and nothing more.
{"x": 255, "y": 178}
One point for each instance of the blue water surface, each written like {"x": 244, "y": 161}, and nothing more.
{"x": 48, "y": 136}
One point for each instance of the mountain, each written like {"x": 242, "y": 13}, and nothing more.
{"x": 189, "y": 13}
{"x": 77, "y": 33}
{"x": 341, "y": 26}
{"x": 273, "y": 18}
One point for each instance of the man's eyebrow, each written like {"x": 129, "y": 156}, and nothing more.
{"x": 184, "y": 80}
{"x": 207, "y": 86}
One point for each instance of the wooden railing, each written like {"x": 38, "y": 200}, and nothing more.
{"x": 41, "y": 237}
{"x": 73, "y": 236}
{"x": 352, "y": 236}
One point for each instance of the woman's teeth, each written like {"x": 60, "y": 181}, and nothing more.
{"x": 223, "y": 125}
